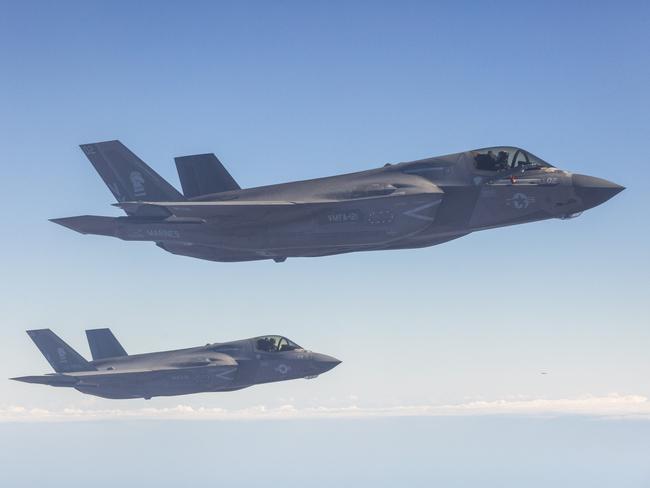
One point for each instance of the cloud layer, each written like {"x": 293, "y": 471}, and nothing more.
{"x": 619, "y": 406}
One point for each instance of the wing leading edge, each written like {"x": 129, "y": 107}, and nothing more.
{"x": 216, "y": 209}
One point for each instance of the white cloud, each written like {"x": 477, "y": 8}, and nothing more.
{"x": 620, "y": 406}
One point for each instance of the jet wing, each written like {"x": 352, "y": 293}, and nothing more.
{"x": 222, "y": 372}
{"x": 207, "y": 210}
{"x": 253, "y": 209}
{"x": 231, "y": 365}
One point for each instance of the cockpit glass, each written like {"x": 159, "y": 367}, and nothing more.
{"x": 506, "y": 159}
{"x": 275, "y": 344}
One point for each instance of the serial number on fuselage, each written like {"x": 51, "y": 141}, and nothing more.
{"x": 343, "y": 217}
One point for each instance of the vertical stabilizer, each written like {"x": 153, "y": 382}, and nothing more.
{"x": 61, "y": 357}
{"x": 103, "y": 344}
{"x": 203, "y": 174}
{"x": 126, "y": 175}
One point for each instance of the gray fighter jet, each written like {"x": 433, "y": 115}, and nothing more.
{"x": 226, "y": 366}
{"x": 398, "y": 206}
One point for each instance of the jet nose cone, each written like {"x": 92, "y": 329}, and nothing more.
{"x": 323, "y": 362}
{"x": 594, "y": 191}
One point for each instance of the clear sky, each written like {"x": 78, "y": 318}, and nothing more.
{"x": 290, "y": 90}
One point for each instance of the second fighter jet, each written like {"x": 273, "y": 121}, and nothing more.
{"x": 225, "y": 366}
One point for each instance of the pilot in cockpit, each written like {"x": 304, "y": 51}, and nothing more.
{"x": 266, "y": 344}
{"x": 486, "y": 162}
{"x": 502, "y": 161}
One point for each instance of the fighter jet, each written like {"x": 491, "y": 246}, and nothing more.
{"x": 226, "y": 366}
{"x": 398, "y": 206}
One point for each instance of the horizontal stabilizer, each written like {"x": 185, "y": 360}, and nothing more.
{"x": 89, "y": 224}
{"x": 50, "y": 379}
{"x": 132, "y": 228}
{"x": 203, "y": 174}
{"x": 103, "y": 344}
{"x": 60, "y": 355}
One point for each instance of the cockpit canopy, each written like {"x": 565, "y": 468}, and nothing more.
{"x": 275, "y": 344}
{"x": 506, "y": 158}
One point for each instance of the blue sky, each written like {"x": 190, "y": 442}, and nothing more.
{"x": 291, "y": 90}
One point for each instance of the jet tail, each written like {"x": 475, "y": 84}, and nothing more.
{"x": 203, "y": 174}
{"x": 103, "y": 344}
{"x": 61, "y": 356}
{"x": 127, "y": 176}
